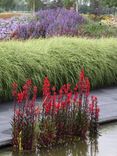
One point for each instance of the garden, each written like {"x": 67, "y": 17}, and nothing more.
{"x": 51, "y": 61}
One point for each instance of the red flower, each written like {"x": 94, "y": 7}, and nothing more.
{"x": 20, "y": 97}
{"x": 82, "y": 75}
{"x": 94, "y": 98}
{"x": 69, "y": 96}
{"x": 75, "y": 96}
{"x": 91, "y": 108}
{"x": 25, "y": 91}
{"x": 76, "y": 87}
{"x": 57, "y": 106}
{"x": 35, "y": 90}
{"x": 87, "y": 83}
{"x": 46, "y": 87}
{"x": 97, "y": 112}
{"x": 63, "y": 104}
{"x": 29, "y": 82}
{"x": 54, "y": 89}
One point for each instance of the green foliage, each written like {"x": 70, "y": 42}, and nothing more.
{"x": 7, "y": 4}
{"x": 68, "y": 3}
{"x": 110, "y": 3}
{"x": 59, "y": 58}
{"x": 35, "y": 5}
{"x": 97, "y": 29}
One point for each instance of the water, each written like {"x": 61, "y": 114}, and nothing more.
{"x": 105, "y": 145}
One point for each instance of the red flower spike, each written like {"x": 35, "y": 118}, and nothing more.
{"x": 97, "y": 112}
{"x": 57, "y": 107}
{"x": 94, "y": 98}
{"x": 29, "y": 82}
{"x": 46, "y": 87}
{"x": 54, "y": 89}
{"x": 35, "y": 90}
{"x": 91, "y": 108}
{"x": 82, "y": 75}
{"x": 20, "y": 97}
{"x": 87, "y": 83}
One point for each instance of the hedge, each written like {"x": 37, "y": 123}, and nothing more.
{"x": 61, "y": 59}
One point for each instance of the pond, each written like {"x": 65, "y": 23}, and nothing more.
{"x": 105, "y": 145}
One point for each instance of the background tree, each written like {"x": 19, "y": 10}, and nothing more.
{"x": 68, "y": 3}
{"x": 7, "y": 4}
{"x": 95, "y": 6}
{"x": 110, "y": 3}
{"x": 34, "y": 5}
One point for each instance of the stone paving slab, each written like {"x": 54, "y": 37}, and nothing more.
{"x": 107, "y": 99}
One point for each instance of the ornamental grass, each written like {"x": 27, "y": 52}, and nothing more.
{"x": 60, "y": 58}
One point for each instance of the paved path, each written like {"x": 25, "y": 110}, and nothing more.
{"x": 107, "y": 99}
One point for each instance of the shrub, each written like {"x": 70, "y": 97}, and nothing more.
{"x": 59, "y": 58}
{"x": 97, "y": 29}
{"x": 51, "y": 22}
{"x": 66, "y": 114}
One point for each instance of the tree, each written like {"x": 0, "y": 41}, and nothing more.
{"x": 109, "y": 3}
{"x": 68, "y": 3}
{"x": 95, "y": 6}
{"x": 7, "y": 4}
{"x": 34, "y": 5}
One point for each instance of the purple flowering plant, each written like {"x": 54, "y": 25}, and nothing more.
{"x": 45, "y": 23}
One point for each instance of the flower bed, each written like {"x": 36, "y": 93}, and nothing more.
{"x": 63, "y": 115}
{"x": 8, "y": 26}
{"x": 45, "y": 23}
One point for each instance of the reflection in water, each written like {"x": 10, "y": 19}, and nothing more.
{"x": 93, "y": 147}
{"x": 73, "y": 149}
{"x": 105, "y": 145}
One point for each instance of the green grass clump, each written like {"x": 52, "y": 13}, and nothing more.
{"x": 59, "y": 58}
{"x": 97, "y": 29}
